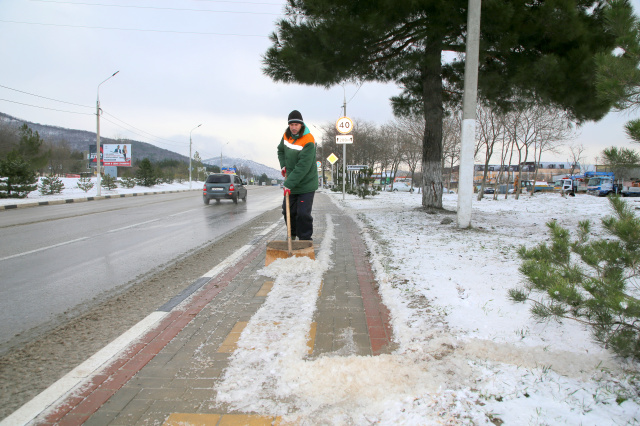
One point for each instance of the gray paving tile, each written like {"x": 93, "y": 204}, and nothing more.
{"x": 183, "y": 376}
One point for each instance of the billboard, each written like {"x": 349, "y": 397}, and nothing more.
{"x": 112, "y": 154}
{"x": 116, "y": 155}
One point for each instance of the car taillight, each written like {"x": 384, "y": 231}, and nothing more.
{"x": 231, "y": 188}
{"x": 205, "y": 188}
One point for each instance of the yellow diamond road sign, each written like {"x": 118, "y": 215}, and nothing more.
{"x": 332, "y": 158}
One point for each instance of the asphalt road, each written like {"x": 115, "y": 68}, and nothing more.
{"x": 58, "y": 259}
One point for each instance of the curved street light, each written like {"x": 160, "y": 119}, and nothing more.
{"x": 221, "y": 155}
{"x": 98, "y": 156}
{"x": 190, "y": 153}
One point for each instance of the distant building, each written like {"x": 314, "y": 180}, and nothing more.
{"x": 547, "y": 171}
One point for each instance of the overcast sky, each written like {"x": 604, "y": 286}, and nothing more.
{"x": 181, "y": 64}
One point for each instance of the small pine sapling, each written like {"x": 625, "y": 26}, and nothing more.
{"x": 84, "y": 183}
{"x": 108, "y": 182}
{"x": 592, "y": 281}
{"x": 51, "y": 185}
{"x": 365, "y": 184}
{"x": 128, "y": 182}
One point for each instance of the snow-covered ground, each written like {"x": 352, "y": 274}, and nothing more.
{"x": 71, "y": 191}
{"x": 466, "y": 354}
{"x": 447, "y": 288}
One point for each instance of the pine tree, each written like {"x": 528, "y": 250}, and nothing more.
{"x": 146, "y": 174}
{"x": 618, "y": 76}
{"x": 31, "y": 148}
{"x": 593, "y": 282}
{"x": 51, "y": 185}
{"x": 128, "y": 182}
{"x": 20, "y": 178}
{"x": 108, "y": 182}
{"x": 542, "y": 50}
{"x": 364, "y": 181}
{"x": 85, "y": 183}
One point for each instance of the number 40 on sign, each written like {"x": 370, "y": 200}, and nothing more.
{"x": 344, "y": 125}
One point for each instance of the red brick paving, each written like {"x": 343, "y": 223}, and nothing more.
{"x": 377, "y": 314}
{"x": 78, "y": 408}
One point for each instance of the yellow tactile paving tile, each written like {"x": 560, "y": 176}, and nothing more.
{"x": 231, "y": 341}
{"x": 193, "y": 419}
{"x": 183, "y": 419}
{"x": 265, "y": 289}
{"x": 247, "y": 420}
{"x": 268, "y": 285}
{"x": 312, "y": 337}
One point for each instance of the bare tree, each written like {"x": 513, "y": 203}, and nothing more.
{"x": 552, "y": 128}
{"x": 504, "y": 152}
{"x": 451, "y": 128}
{"x": 245, "y": 172}
{"x": 60, "y": 159}
{"x": 577, "y": 156}
{"x": 490, "y": 129}
{"x": 413, "y": 129}
{"x": 393, "y": 138}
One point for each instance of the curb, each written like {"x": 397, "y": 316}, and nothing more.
{"x": 84, "y": 199}
{"x": 82, "y": 391}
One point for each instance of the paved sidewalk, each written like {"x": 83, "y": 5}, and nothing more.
{"x": 169, "y": 376}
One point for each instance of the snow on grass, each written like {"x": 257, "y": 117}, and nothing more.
{"x": 466, "y": 354}
{"x": 71, "y": 191}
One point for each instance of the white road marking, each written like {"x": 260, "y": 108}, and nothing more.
{"x": 87, "y": 369}
{"x": 43, "y": 248}
{"x": 132, "y": 226}
{"x": 57, "y": 392}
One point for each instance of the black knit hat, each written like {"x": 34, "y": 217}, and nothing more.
{"x": 295, "y": 117}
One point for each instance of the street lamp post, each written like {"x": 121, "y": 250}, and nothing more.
{"x": 344, "y": 145}
{"x": 98, "y": 156}
{"x": 221, "y": 155}
{"x": 190, "y": 153}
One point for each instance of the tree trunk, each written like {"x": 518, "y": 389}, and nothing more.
{"x": 433, "y": 114}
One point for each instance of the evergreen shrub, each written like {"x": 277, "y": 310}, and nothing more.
{"x": 128, "y": 182}
{"x": 592, "y": 281}
{"x": 19, "y": 178}
{"x": 108, "y": 182}
{"x": 85, "y": 183}
{"x": 50, "y": 185}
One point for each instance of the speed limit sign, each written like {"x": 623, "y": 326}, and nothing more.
{"x": 344, "y": 125}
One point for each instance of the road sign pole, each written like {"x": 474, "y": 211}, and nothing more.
{"x": 344, "y": 125}
{"x": 344, "y": 168}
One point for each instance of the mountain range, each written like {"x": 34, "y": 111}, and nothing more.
{"x": 80, "y": 140}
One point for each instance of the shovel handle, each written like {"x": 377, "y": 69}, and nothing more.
{"x": 288, "y": 223}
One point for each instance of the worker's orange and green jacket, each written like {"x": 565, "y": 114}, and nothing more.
{"x": 298, "y": 154}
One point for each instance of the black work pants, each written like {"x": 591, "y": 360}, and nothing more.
{"x": 300, "y": 206}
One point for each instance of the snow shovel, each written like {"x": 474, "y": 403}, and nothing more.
{"x": 285, "y": 249}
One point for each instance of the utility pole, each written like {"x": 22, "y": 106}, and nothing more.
{"x": 344, "y": 146}
{"x": 468, "y": 134}
{"x": 98, "y": 156}
{"x": 190, "y": 153}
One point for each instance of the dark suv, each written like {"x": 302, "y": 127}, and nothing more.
{"x": 220, "y": 185}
